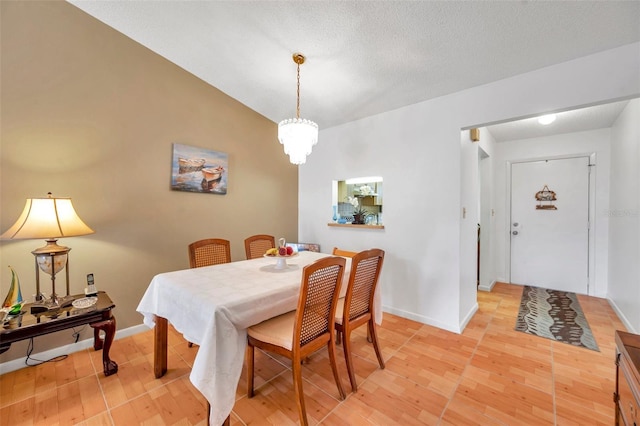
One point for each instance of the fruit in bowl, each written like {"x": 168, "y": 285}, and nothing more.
{"x": 280, "y": 252}
{"x": 272, "y": 252}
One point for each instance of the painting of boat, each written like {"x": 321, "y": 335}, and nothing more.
{"x": 199, "y": 170}
{"x": 212, "y": 173}
{"x": 211, "y": 177}
{"x": 190, "y": 165}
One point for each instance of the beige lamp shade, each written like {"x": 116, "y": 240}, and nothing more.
{"x": 47, "y": 218}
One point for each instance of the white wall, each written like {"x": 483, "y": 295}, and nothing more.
{"x": 469, "y": 202}
{"x": 569, "y": 144}
{"x": 624, "y": 217}
{"x": 417, "y": 151}
{"x": 487, "y": 216}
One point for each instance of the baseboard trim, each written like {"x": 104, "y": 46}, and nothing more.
{"x": 421, "y": 319}
{"x": 17, "y": 364}
{"x": 487, "y": 288}
{"x": 623, "y": 318}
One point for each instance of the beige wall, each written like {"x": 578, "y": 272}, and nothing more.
{"x": 90, "y": 114}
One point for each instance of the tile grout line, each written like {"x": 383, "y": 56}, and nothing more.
{"x": 367, "y": 378}
{"x": 444, "y": 410}
{"x": 104, "y": 397}
{"x": 110, "y": 409}
{"x": 553, "y": 386}
{"x": 475, "y": 349}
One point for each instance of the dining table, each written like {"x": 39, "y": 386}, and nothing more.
{"x": 213, "y": 306}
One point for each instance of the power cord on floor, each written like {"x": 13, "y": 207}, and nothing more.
{"x": 76, "y": 336}
{"x": 76, "y": 333}
{"x": 39, "y": 361}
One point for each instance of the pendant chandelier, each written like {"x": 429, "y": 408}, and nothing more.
{"x": 298, "y": 135}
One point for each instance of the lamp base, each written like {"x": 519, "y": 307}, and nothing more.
{"x": 51, "y": 304}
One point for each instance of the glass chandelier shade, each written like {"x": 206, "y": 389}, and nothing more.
{"x": 298, "y": 135}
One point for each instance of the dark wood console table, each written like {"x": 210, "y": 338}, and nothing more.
{"x": 627, "y": 395}
{"x": 98, "y": 316}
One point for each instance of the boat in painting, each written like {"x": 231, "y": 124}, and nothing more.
{"x": 211, "y": 176}
{"x": 190, "y": 165}
{"x": 212, "y": 173}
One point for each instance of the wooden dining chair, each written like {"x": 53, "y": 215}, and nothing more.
{"x": 207, "y": 252}
{"x": 210, "y": 251}
{"x": 343, "y": 253}
{"x": 356, "y": 308}
{"x": 299, "y": 333}
{"x": 256, "y": 245}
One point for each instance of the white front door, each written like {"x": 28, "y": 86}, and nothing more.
{"x": 550, "y": 239}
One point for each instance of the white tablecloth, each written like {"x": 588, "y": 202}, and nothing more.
{"x": 213, "y": 306}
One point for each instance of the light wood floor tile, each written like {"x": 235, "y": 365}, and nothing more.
{"x": 488, "y": 375}
{"x": 102, "y": 419}
{"x": 411, "y": 403}
{"x": 17, "y": 386}
{"x": 278, "y": 395}
{"x": 428, "y": 365}
{"x": 460, "y": 414}
{"x": 505, "y": 400}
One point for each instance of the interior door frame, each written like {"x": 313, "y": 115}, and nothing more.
{"x": 591, "y": 213}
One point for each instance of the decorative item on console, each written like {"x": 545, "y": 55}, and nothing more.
{"x": 49, "y": 218}
{"x": 13, "y": 302}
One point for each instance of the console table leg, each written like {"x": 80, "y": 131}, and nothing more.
{"x": 97, "y": 340}
{"x": 160, "y": 347}
{"x": 109, "y": 328}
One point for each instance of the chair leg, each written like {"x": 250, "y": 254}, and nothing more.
{"x": 296, "y": 368}
{"x": 249, "y": 354}
{"x": 334, "y": 366}
{"x": 346, "y": 346}
{"x": 374, "y": 339}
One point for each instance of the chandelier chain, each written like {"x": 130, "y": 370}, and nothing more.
{"x": 298, "y": 94}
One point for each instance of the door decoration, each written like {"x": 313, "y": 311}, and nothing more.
{"x": 545, "y": 198}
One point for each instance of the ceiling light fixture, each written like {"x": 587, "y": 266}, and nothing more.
{"x": 298, "y": 135}
{"x": 547, "y": 119}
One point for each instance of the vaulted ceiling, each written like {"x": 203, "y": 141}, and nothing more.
{"x": 364, "y": 57}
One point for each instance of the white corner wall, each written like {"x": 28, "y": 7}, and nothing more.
{"x": 624, "y": 217}
{"x": 417, "y": 151}
{"x": 566, "y": 145}
{"x": 488, "y": 276}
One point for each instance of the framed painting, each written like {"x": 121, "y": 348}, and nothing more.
{"x": 199, "y": 170}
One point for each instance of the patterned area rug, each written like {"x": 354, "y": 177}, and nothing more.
{"x": 555, "y": 315}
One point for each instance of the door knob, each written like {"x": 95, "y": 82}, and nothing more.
{"x": 515, "y": 232}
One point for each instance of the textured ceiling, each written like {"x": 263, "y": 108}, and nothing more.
{"x": 364, "y": 57}
{"x": 577, "y": 120}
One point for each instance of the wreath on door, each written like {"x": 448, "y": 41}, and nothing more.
{"x": 545, "y": 198}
